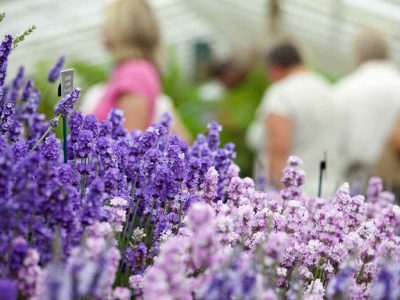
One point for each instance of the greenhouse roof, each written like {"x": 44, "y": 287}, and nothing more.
{"x": 324, "y": 28}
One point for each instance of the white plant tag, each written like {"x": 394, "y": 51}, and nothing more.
{"x": 67, "y": 81}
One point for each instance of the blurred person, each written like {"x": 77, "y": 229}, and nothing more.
{"x": 131, "y": 34}
{"x": 296, "y": 117}
{"x": 225, "y": 75}
{"x": 164, "y": 105}
{"x": 387, "y": 166}
{"x": 369, "y": 102}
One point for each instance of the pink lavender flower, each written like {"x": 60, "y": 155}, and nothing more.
{"x": 29, "y": 273}
{"x": 375, "y": 187}
{"x": 293, "y": 178}
{"x": 209, "y": 187}
{"x": 275, "y": 246}
{"x": 315, "y": 291}
{"x": 166, "y": 279}
{"x": 117, "y": 210}
{"x": 353, "y": 208}
{"x": 296, "y": 216}
{"x": 330, "y": 225}
{"x": 233, "y": 171}
{"x": 268, "y": 295}
{"x": 120, "y": 293}
{"x": 136, "y": 284}
{"x": 240, "y": 190}
{"x": 100, "y": 230}
{"x": 312, "y": 253}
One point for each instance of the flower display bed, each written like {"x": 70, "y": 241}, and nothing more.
{"x": 144, "y": 215}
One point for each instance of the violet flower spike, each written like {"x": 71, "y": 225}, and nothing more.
{"x": 5, "y": 50}
{"x": 54, "y": 72}
{"x": 65, "y": 106}
{"x": 8, "y": 289}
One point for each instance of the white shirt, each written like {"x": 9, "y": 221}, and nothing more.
{"x": 369, "y": 103}
{"x": 306, "y": 99}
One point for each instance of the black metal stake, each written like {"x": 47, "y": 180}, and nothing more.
{"x": 64, "y": 121}
{"x": 322, "y": 168}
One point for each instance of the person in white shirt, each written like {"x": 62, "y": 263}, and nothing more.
{"x": 296, "y": 117}
{"x": 369, "y": 104}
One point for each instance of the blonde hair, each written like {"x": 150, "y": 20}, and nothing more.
{"x": 370, "y": 44}
{"x": 132, "y": 31}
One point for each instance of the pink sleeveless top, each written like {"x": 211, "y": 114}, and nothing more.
{"x": 137, "y": 77}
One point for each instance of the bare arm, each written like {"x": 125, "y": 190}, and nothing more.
{"x": 136, "y": 111}
{"x": 395, "y": 138}
{"x": 179, "y": 128}
{"x": 279, "y": 135}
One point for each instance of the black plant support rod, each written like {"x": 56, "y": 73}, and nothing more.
{"x": 322, "y": 168}
{"x": 64, "y": 123}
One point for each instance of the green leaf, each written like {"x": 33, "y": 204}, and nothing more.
{"x": 2, "y": 16}
{"x": 22, "y": 36}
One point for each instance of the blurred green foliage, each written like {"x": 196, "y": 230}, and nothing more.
{"x": 234, "y": 111}
{"x": 86, "y": 75}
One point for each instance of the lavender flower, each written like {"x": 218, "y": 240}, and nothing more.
{"x": 50, "y": 148}
{"x": 27, "y": 90}
{"x": 339, "y": 285}
{"x": 293, "y": 178}
{"x": 210, "y": 185}
{"x": 66, "y": 104}
{"x": 116, "y": 117}
{"x": 136, "y": 258}
{"x": 386, "y": 283}
{"x": 275, "y": 246}
{"x": 54, "y": 72}
{"x": 29, "y": 273}
{"x": 315, "y": 291}
{"x": 84, "y": 144}
{"x": 8, "y": 289}
{"x": 121, "y": 293}
{"x": 234, "y": 281}
{"x": 187, "y": 225}
{"x": 5, "y": 50}
{"x": 75, "y": 124}
{"x": 15, "y": 87}
{"x": 117, "y": 212}
{"x": 136, "y": 283}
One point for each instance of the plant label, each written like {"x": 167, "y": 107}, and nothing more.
{"x": 67, "y": 81}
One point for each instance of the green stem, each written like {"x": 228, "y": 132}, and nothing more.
{"x": 126, "y": 225}
{"x": 64, "y": 120}
{"x": 125, "y": 276}
{"x": 83, "y": 177}
{"x": 360, "y": 274}
{"x": 180, "y": 216}
{"x": 41, "y": 139}
{"x": 132, "y": 225}
{"x": 146, "y": 227}
{"x": 82, "y": 185}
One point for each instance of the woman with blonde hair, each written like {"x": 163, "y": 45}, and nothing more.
{"x": 132, "y": 36}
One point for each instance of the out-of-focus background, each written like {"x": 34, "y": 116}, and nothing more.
{"x": 202, "y": 39}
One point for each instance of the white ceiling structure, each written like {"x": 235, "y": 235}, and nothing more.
{"x": 324, "y": 28}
